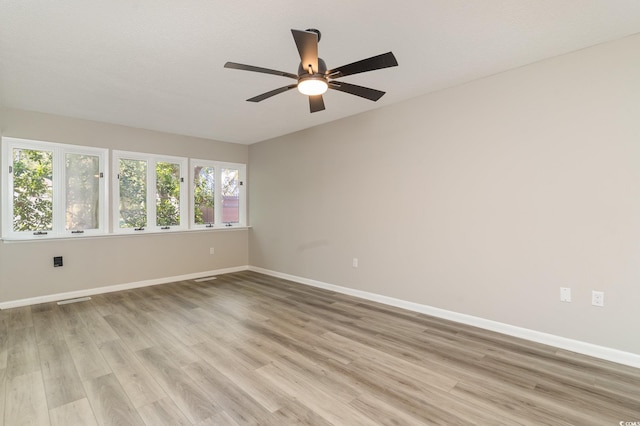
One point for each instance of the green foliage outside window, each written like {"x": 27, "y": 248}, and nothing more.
{"x": 82, "y": 192}
{"x": 203, "y": 194}
{"x": 168, "y": 194}
{"x": 32, "y": 190}
{"x": 133, "y": 193}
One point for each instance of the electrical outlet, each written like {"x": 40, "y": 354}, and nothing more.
{"x": 565, "y": 294}
{"x": 597, "y": 298}
{"x": 355, "y": 262}
{"x": 212, "y": 250}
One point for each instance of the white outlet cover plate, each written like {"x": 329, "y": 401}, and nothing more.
{"x": 597, "y": 298}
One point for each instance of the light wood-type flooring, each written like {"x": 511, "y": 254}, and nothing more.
{"x": 246, "y": 348}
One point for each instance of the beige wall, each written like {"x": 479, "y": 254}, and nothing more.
{"x": 26, "y": 268}
{"x": 483, "y": 199}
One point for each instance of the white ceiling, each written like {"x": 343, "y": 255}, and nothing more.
{"x": 158, "y": 64}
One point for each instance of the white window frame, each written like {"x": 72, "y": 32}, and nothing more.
{"x": 59, "y": 191}
{"x": 151, "y": 160}
{"x": 218, "y": 166}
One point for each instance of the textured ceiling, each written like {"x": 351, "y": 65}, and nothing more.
{"x": 158, "y": 64}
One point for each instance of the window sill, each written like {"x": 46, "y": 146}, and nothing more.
{"x": 119, "y": 235}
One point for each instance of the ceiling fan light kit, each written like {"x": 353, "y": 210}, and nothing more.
{"x": 313, "y": 78}
{"x": 312, "y": 85}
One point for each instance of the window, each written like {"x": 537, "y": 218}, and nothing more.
{"x": 82, "y": 186}
{"x": 148, "y": 192}
{"x": 53, "y": 190}
{"x": 230, "y": 192}
{"x": 168, "y": 182}
{"x": 218, "y": 198}
{"x": 132, "y": 189}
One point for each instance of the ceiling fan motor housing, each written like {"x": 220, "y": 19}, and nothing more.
{"x": 304, "y": 69}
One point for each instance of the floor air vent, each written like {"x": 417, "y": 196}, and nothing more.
{"x": 199, "y": 280}
{"x": 79, "y": 299}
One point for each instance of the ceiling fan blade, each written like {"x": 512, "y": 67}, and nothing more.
{"x": 307, "y": 44}
{"x": 272, "y": 93}
{"x": 385, "y": 60}
{"x": 259, "y": 69}
{"x": 316, "y": 103}
{"x": 363, "y": 92}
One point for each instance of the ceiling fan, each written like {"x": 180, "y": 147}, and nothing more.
{"x": 313, "y": 78}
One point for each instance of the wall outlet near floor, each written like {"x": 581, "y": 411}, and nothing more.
{"x": 597, "y": 298}
{"x": 354, "y": 263}
{"x": 212, "y": 250}
{"x": 565, "y": 294}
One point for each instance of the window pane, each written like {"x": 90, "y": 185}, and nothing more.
{"x": 230, "y": 196}
{"x": 133, "y": 193}
{"x": 167, "y": 194}
{"x": 204, "y": 184}
{"x": 32, "y": 190}
{"x": 82, "y": 191}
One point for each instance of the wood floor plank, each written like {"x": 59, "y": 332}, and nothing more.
{"x": 296, "y": 413}
{"x": 96, "y": 325}
{"x": 3, "y": 386}
{"x": 252, "y": 353}
{"x": 228, "y": 396}
{"x": 138, "y": 301}
{"x": 566, "y": 378}
{"x": 110, "y": 404}
{"x": 520, "y": 405}
{"x": 173, "y": 306}
{"x": 22, "y": 352}
{"x": 225, "y": 360}
{"x": 180, "y": 327}
{"x": 323, "y": 375}
{"x": 109, "y": 303}
{"x": 26, "y": 403}
{"x": 86, "y": 356}
{"x": 311, "y": 336}
{"x": 173, "y": 293}
{"x": 225, "y": 330}
{"x": 129, "y": 332}
{"x": 383, "y": 360}
{"x": 76, "y": 413}
{"x": 219, "y": 419}
{"x": 417, "y": 399}
{"x": 61, "y": 381}
{"x": 382, "y": 413}
{"x": 196, "y": 404}
{"x": 4, "y": 336}
{"x": 135, "y": 380}
{"x": 587, "y": 399}
{"x": 48, "y": 325}
{"x": 157, "y": 332}
{"x": 304, "y": 390}
{"x": 18, "y": 318}
{"x": 163, "y": 412}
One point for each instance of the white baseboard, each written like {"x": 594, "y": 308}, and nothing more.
{"x": 118, "y": 287}
{"x": 609, "y": 354}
